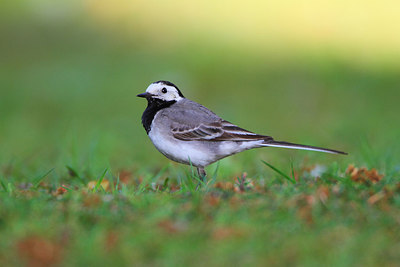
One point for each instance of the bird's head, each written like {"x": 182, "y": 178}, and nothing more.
{"x": 162, "y": 90}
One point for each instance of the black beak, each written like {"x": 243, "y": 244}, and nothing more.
{"x": 145, "y": 95}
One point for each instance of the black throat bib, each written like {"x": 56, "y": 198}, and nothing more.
{"x": 154, "y": 105}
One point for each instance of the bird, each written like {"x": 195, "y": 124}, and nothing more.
{"x": 189, "y": 133}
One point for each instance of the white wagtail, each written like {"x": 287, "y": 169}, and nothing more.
{"x": 189, "y": 133}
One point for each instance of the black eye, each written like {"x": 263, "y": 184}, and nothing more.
{"x": 164, "y": 90}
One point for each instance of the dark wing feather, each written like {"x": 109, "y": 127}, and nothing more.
{"x": 217, "y": 131}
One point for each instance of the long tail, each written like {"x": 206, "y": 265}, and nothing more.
{"x": 274, "y": 143}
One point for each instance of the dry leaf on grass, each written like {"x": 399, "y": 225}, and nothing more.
{"x": 60, "y": 191}
{"x": 91, "y": 200}
{"x": 235, "y": 202}
{"x": 383, "y": 197}
{"x": 304, "y": 203}
{"x": 173, "y": 188}
{"x": 39, "y": 251}
{"x": 305, "y": 213}
{"x": 171, "y": 227}
{"x": 323, "y": 193}
{"x": 243, "y": 184}
{"x": 213, "y": 199}
{"x": 125, "y": 177}
{"x": 240, "y": 185}
{"x": 111, "y": 240}
{"x": 27, "y": 193}
{"x": 363, "y": 175}
{"x": 226, "y": 186}
{"x": 376, "y": 197}
{"x": 105, "y": 184}
{"x": 222, "y": 233}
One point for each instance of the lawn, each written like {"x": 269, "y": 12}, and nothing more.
{"x": 329, "y": 217}
{"x": 81, "y": 183}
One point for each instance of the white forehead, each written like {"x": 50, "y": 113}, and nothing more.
{"x": 155, "y": 87}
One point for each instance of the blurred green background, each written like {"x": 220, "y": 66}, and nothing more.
{"x": 315, "y": 72}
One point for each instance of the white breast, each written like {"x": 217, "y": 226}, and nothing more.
{"x": 186, "y": 152}
{"x": 197, "y": 153}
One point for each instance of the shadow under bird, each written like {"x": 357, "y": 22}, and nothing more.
{"x": 189, "y": 133}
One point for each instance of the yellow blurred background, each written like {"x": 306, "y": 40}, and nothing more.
{"x": 363, "y": 31}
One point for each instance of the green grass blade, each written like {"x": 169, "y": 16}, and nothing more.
{"x": 280, "y": 172}
{"x": 3, "y": 185}
{"x": 99, "y": 181}
{"x": 115, "y": 189}
{"x": 215, "y": 174}
{"x": 39, "y": 179}
{"x": 66, "y": 188}
{"x": 191, "y": 168}
{"x": 73, "y": 173}
{"x": 291, "y": 166}
{"x": 161, "y": 172}
{"x": 165, "y": 184}
{"x": 10, "y": 188}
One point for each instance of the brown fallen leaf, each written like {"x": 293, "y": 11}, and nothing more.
{"x": 222, "y": 233}
{"x": 39, "y": 251}
{"x": 125, "y": 177}
{"x": 212, "y": 199}
{"x": 305, "y": 213}
{"x": 173, "y": 188}
{"x": 383, "y": 197}
{"x": 27, "y": 193}
{"x": 363, "y": 175}
{"x": 91, "y": 200}
{"x": 310, "y": 199}
{"x": 243, "y": 184}
{"x": 323, "y": 193}
{"x": 171, "y": 227}
{"x": 304, "y": 204}
{"x": 105, "y": 184}
{"x": 111, "y": 240}
{"x": 240, "y": 186}
{"x": 235, "y": 202}
{"x": 60, "y": 191}
{"x": 226, "y": 186}
{"x": 376, "y": 197}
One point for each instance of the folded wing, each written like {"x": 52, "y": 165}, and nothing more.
{"x": 217, "y": 131}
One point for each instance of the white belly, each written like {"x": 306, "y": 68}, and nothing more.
{"x": 186, "y": 152}
{"x": 196, "y": 153}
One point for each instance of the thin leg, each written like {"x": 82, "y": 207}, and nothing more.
{"x": 202, "y": 173}
{"x": 202, "y": 176}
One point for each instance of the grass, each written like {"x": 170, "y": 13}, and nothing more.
{"x": 160, "y": 220}
{"x": 81, "y": 184}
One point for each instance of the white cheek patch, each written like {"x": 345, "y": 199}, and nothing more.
{"x": 174, "y": 96}
{"x": 166, "y": 97}
{"x": 172, "y": 93}
{"x": 152, "y": 89}
{"x": 169, "y": 96}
